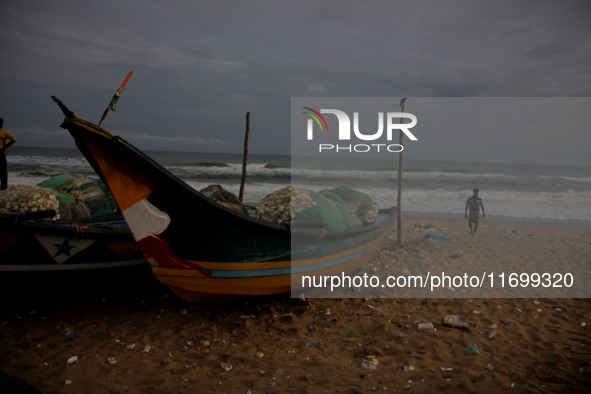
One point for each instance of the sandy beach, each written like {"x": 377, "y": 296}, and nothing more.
{"x": 121, "y": 332}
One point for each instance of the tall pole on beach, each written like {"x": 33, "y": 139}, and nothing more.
{"x": 244, "y": 158}
{"x": 399, "y": 200}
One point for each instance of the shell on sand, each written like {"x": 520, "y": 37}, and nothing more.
{"x": 455, "y": 321}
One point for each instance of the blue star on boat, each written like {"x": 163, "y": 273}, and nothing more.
{"x": 63, "y": 248}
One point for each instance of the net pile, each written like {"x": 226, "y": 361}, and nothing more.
{"x": 277, "y": 207}
{"x": 224, "y": 197}
{"x": 87, "y": 198}
{"x": 29, "y": 198}
{"x": 340, "y": 208}
{"x": 73, "y": 197}
{"x": 358, "y": 202}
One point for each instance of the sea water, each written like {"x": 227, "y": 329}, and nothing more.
{"x": 521, "y": 193}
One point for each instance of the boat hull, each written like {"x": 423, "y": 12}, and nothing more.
{"x": 201, "y": 249}
{"x": 249, "y": 279}
{"x": 43, "y": 245}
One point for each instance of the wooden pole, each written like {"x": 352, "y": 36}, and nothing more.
{"x": 399, "y": 202}
{"x": 245, "y": 157}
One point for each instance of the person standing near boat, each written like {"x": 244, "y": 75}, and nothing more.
{"x": 474, "y": 204}
{"x": 6, "y": 140}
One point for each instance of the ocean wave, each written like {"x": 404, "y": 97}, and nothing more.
{"x": 561, "y": 178}
{"x": 457, "y": 175}
{"x": 208, "y": 164}
{"x": 74, "y": 162}
{"x": 566, "y": 205}
{"x": 517, "y": 192}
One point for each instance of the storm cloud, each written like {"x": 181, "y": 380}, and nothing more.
{"x": 199, "y": 66}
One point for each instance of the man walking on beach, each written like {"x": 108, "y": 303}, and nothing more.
{"x": 474, "y": 203}
{"x": 6, "y": 140}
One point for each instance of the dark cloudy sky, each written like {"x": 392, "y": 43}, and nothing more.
{"x": 199, "y": 66}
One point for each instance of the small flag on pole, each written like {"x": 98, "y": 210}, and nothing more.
{"x": 113, "y": 103}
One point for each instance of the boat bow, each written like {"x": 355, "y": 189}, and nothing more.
{"x": 199, "y": 248}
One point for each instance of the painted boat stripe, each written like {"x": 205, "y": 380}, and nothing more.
{"x": 295, "y": 270}
{"x": 231, "y": 266}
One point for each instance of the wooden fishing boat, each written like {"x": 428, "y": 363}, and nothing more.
{"x": 201, "y": 249}
{"x": 31, "y": 242}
